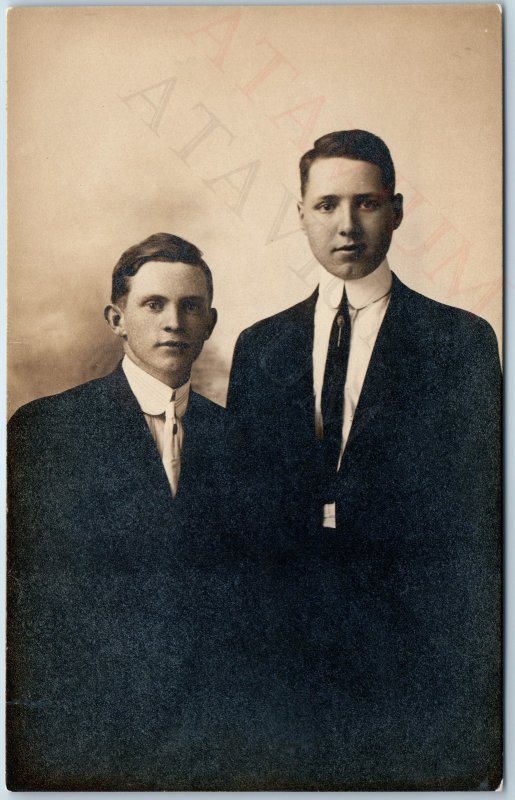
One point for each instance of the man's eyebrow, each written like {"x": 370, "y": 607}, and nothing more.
{"x": 145, "y": 298}
{"x": 326, "y": 197}
{"x": 333, "y": 198}
{"x": 366, "y": 195}
{"x": 200, "y": 298}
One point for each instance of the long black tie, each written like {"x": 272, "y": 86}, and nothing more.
{"x": 333, "y": 394}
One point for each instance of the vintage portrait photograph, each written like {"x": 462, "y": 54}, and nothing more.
{"x": 254, "y": 348}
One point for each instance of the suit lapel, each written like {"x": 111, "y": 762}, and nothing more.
{"x": 384, "y": 378}
{"x": 196, "y": 445}
{"x": 288, "y": 356}
{"x": 132, "y": 447}
{"x": 287, "y": 363}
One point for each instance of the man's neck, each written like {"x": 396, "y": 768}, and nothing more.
{"x": 171, "y": 381}
{"x": 360, "y": 291}
{"x": 152, "y": 394}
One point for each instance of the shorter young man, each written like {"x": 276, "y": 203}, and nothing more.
{"x": 115, "y": 550}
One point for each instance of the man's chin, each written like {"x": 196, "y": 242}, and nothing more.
{"x": 175, "y": 377}
{"x": 350, "y": 270}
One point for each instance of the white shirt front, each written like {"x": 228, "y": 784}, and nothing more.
{"x": 153, "y": 397}
{"x": 368, "y": 300}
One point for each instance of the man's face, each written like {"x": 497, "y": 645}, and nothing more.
{"x": 164, "y": 319}
{"x": 348, "y": 216}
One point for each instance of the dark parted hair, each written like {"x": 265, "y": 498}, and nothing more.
{"x": 158, "y": 247}
{"x": 356, "y": 144}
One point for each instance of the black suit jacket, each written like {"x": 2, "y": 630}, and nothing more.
{"x": 397, "y": 612}
{"x": 117, "y": 595}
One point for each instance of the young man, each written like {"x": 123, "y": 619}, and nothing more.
{"x": 116, "y": 561}
{"x": 370, "y": 415}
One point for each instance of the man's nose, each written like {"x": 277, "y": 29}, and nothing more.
{"x": 172, "y": 319}
{"x": 347, "y": 221}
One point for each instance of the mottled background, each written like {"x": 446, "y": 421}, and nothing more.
{"x": 128, "y": 121}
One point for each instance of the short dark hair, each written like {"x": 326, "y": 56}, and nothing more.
{"x": 158, "y": 247}
{"x": 356, "y": 144}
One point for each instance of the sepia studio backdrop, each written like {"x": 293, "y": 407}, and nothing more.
{"x": 128, "y": 121}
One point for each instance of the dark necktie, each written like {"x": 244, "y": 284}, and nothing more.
{"x": 332, "y": 393}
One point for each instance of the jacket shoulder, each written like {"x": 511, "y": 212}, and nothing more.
{"x": 78, "y": 399}
{"x": 442, "y": 320}
{"x": 269, "y": 327}
{"x": 204, "y": 405}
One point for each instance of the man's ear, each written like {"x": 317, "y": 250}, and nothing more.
{"x": 300, "y": 209}
{"x": 398, "y": 212}
{"x": 212, "y": 322}
{"x": 114, "y": 317}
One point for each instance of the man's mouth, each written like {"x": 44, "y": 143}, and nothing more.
{"x": 351, "y": 249}
{"x": 172, "y": 345}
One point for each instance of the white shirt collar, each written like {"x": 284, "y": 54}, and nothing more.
{"x": 361, "y": 292}
{"x": 152, "y": 395}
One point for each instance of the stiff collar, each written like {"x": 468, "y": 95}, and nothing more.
{"x": 361, "y": 292}
{"x": 152, "y": 395}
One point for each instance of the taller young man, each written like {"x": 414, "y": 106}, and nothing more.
{"x": 370, "y": 415}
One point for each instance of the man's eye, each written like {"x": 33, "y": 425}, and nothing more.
{"x": 326, "y": 207}
{"x": 154, "y": 305}
{"x": 369, "y": 205}
{"x": 191, "y": 305}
